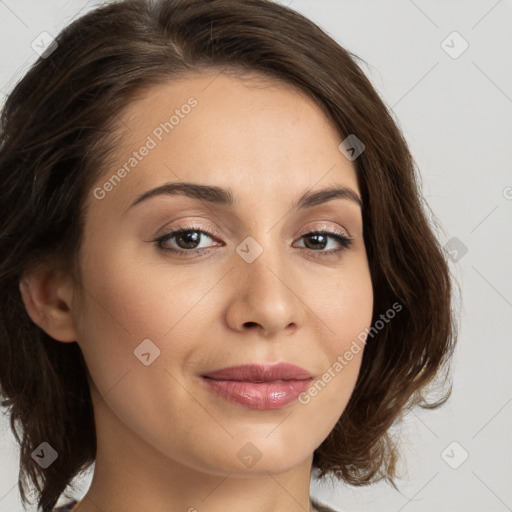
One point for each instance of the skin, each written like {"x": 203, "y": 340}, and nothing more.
{"x": 165, "y": 443}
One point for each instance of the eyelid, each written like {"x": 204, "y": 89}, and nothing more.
{"x": 189, "y": 225}
{"x": 323, "y": 226}
{"x": 214, "y": 233}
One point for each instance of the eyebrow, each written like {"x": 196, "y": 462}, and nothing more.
{"x": 224, "y": 197}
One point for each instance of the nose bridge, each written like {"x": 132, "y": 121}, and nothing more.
{"x": 263, "y": 262}
{"x": 259, "y": 276}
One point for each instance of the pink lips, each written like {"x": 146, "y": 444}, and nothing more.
{"x": 259, "y": 386}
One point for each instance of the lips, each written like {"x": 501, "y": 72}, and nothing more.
{"x": 260, "y": 373}
{"x": 259, "y": 386}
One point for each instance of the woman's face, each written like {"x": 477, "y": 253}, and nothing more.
{"x": 246, "y": 284}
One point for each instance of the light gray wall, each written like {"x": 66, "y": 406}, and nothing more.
{"x": 456, "y": 113}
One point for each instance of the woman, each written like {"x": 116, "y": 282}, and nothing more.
{"x": 226, "y": 278}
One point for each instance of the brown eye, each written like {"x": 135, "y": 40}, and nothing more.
{"x": 184, "y": 240}
{"x": 318, "y": 241}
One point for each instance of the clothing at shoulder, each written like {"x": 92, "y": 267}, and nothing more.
{"x": 319, "y": 507}
{"x": 65, "y": 508}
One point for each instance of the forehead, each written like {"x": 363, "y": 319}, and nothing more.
{"x": 248, "y": 132}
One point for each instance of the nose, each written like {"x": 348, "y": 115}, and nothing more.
{"x": 266, "y": 297}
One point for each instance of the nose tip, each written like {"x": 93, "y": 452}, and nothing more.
{"x": 264, "y": 300}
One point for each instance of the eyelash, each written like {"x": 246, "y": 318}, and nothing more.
{"x": 339, "y": 236}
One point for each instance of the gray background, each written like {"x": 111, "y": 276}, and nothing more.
{"x": 456, "y": 113}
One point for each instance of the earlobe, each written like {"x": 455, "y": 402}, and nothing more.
{"x": 47, "y": 297}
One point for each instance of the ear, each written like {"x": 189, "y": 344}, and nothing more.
{"x": 47, "y": 295}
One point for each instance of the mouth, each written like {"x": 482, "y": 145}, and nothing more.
{"x": 259, "y": 386}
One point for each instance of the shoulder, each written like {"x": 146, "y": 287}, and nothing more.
{"x": 318, "y": 507}
{"x": 65, "y": 508}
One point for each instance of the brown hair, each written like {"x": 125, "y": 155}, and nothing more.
{"x": 57, "y": 133}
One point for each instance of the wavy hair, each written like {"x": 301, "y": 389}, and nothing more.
{"x": 57, "y": 134}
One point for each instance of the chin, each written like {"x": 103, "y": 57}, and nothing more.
{"x": 258, "y": 458}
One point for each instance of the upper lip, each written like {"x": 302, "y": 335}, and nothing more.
{"x": 260, "y": 373}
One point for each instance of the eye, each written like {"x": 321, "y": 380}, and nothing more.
{"x": 319, "y": 240}
{"x": 190, "y": 240}
{"x": 187, "y": 239}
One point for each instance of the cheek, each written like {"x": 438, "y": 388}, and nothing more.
{"x": 128, "y": 300}
{"x": 117, "y": 311}
{"x": 345, "y": 305}
{"x": 134, "y": 298}
{"x": 346, "y": 310}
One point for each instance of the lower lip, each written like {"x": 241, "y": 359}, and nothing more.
{"x": 259, "y": 395}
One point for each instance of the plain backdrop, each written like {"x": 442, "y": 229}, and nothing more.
{"x": 444, "y": 69}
